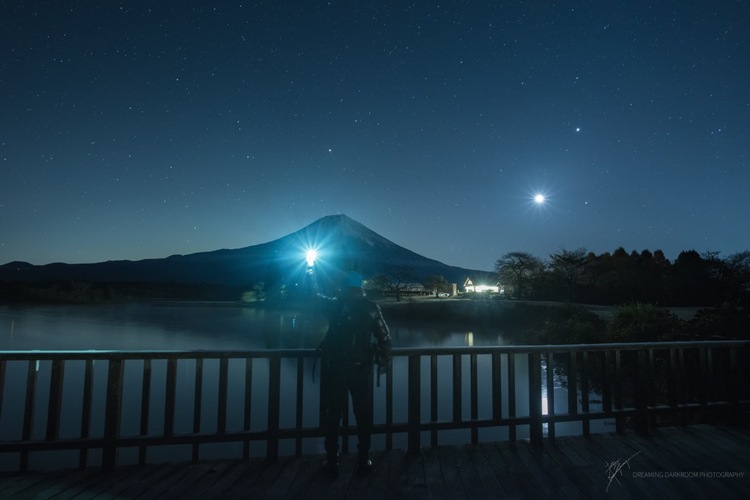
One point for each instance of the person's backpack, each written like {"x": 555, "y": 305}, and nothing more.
{"x": 349, "y": 332}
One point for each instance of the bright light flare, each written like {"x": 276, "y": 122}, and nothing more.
{"x": 539, "y": 198}
{"x": 310, "y": 257}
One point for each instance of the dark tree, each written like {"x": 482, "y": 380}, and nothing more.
{"x": 737, "y": 276}
{"x": 690, "y": 281}
{"x": 395, "y": 280}
{"x": 437, "y": 283}
{"x": 568, "y": 266}
{"x": 519, "y": 268}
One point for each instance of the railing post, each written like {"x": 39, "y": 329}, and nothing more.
{"x": 535, "y": 398}
{"x": 672, "y": 380}
{"x": 112, "y": 414}
{"x": 550, "y": 396}
{"x": 414, "y": 394}
{"x": 651, "y": 421}
{"x": 511, "y": 395}
{"x": 606, "y": 383}
{"x": 497, "y": 387}
{"x": 28, "y": 412}
{"x": 88, "y": 391}
{"x": 55, "y": 399}
{"x": 640, "y": 393}
{"x": 145, "y": 407}
{"x": 457, "y": 398}
{"x": 300, "y": 402}
{"x": 734, "y": 380}
{"x": 247, "y": 406}
{"x": 474, "y": 392}
{"x": 274, "y": 403}
{"x": 221, "y": 410}
{"x": 2, "y": 383}
{"x": 389, "y": 406}
{"x": 170, "y": 397}
{"x": 573, "y": 383}
{"x": 433, "y": 399}
{"x": 619, "y": 420}
{"x": 585, "y": 407}
{"x": 197, "y": 405}
{"x": 707, "y": 376}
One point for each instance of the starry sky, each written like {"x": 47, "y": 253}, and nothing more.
{"x": 142, "y": 129}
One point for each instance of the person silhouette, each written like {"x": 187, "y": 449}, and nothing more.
{"x": 357, "y": 336}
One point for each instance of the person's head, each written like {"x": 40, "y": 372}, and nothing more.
{"x": 350, "y": 285}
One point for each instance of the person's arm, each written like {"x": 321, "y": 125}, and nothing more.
{"x": 381, "y": 333}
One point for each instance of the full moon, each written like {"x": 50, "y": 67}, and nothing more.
{"x": 539, "y": 198}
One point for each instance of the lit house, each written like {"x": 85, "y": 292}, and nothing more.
{"x": 480, "y": 286}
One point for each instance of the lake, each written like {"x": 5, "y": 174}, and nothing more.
{"x": 189, "y": 326}
{"x": 220, "y": 326}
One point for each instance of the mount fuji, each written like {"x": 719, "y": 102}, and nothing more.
{"x": 341, "y": 243}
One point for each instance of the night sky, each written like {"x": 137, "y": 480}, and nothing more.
{"x": 133, "y": 130}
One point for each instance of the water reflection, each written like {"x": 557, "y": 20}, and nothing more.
{"x": 221, "y": 327}
{"x": 199, "y": 326}
{"x": 156, "y": 327}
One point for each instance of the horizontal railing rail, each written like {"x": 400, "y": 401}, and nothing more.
{"x": 100, "y": 404}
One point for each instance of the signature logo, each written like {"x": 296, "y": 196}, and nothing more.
{"x": 615, "y": 468}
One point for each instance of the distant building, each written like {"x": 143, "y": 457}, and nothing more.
{"x": 409, "y": 288}
{"x": 478, "y": 286}
{"x": 414, "y": 288}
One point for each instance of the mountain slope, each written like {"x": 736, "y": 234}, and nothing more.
{"x": 341, "y": 242}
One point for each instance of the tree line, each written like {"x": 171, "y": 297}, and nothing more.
{"x": 692, "y": 280}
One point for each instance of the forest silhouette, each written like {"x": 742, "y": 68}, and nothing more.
{"x": 692, "y": 280}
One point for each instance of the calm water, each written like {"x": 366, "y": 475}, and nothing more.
{"x": 193, "y": 326}
{"x": 226, "y": 327}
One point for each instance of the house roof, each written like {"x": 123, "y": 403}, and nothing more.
{"x": 482, "y": 279}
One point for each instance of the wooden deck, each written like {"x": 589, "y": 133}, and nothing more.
{"x": 683, "y": 462}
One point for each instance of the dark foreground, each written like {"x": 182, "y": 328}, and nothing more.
{"x": 686, "y": 462}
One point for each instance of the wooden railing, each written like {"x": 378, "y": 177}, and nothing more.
{"x": 97, "y": 404}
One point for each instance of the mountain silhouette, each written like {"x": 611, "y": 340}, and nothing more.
{"x": 342, "y": 244}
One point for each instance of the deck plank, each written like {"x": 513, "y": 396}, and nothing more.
{"x": 703, "y": 452}
{"x": 224, "y": 481}
{"x": 196, "y": 477}
{"x": 467, "y": 471}
{"x": 452, "y": 484}
{"x": 509, "y": 482}
{"x": 485, "y": 472}
{"x": 396, "y": 476}
{"x": 569, "y": 467}
{"x": 552, "y": 472}
{"x": 603, "y": 459}
{"x": 433, "y": 476}
{"x": 579, "y": 476}
{"x": 416, "y": 485}
{"x": 312, "y": 482}
{"x": 378, "y": 478}
{"x": 39, "y": 487}
{"x": 663, "y": 455}
{"x": 619, "y": 449}
{"x": 532, "y": 485}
